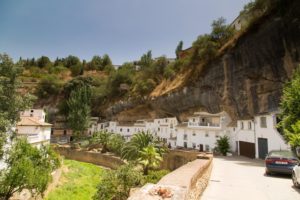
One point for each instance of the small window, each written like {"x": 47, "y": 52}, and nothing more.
{"x": 65, "y": 132}
{"x": 263, "y": 122}
{"x": 242, "y": 125}
{"x": 194, "y": 145}
{"x": 158, "y": 129}
{"x": 206, "y": 147}
{"x": 185, "y": 136}
{"x": 121, "y": 130}
{"x": 128, "y": 130}
{"x": 194, "y": 134}
{"x": 249, "y": 125}
{"x": 166, "y": 120}
{"x": 206, "y": 134}
{"x": 194, "y": 119}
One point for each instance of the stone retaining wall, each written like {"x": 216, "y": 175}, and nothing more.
{"x": 184, "y": 183}
{"x": 106, "y": 160}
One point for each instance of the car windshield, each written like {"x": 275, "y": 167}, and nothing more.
{"x": 285, "y": 154}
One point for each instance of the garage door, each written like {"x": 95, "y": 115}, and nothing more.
{"x": 247, "y": 149}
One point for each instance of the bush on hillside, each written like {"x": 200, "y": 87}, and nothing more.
{"x": 49, "y": 85}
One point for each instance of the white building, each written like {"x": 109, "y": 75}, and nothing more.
{"x": 163, "y": 128}
{"x": 32, "y": 125}
{"x": 202, "y": 130}
{"x": 254, "y": 138}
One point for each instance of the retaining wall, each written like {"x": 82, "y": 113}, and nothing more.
{"x": 106, "y": 160}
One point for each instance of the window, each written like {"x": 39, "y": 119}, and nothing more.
{"x": 206, "y": 147}
{"x": 166, "y": 120}
{"x": 249, "y": 125}
{"x": 185, "y": 144}
{"x": 194, "y": 120}
{"x": 185, "y": 136}
{"x": 120, "y": 130}
{"x": 263, "y": 122}
{"x": 206, "y": 134}
{"x": 65, "y": 132}
{"x": 51, "y": 131}
{"x": 194, "y": 145}
{"x": 128, "y": 130}
{"x": 194, "y": 134}
{"x": 217, "y": 135}
{"x": 158, "y": 129}
{"x": 242, "y": 125}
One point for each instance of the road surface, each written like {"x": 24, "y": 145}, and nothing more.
{"x": 239, "y": 178}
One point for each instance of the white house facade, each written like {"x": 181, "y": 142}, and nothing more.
{"x": 202, "y": 130}
{"x": 32, "y": 126}
{"x": 256, "y": 137}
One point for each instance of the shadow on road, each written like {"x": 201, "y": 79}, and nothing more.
{"x": 243, "y": 161}
{"x": 285, "y": 176}
{"x": 296, "y": 189}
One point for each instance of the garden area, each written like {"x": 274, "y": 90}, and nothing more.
{"x": 142, "y": 156}
{"x": 78, "y": 181}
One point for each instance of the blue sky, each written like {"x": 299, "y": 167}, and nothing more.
{"x": 123, "y": 29}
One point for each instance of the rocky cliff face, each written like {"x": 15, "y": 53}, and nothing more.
{"x": 247, "y": 79}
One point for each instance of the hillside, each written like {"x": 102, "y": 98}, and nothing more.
{"x": 246, "y": 78}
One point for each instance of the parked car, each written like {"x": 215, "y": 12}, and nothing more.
{"x": 280, "y": 161}
{"x": 296, "y": 171}
{"x": 296, "y": 176}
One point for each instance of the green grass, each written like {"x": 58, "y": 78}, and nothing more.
{"x": 78, "y": 181}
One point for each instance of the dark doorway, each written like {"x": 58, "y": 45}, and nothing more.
{"x": 247, "y": 149}
{"x": 262, "y": 147}
{"x": 201, "y": 147}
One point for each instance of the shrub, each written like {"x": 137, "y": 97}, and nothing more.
{"x": 223, "y": 145}
{"x": 116, "y": 143}
{"x": 49, "y": 85}
{"x": 155, "y": 176}
{"x": 116, "y": 184}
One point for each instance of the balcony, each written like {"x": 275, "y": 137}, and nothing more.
{"x": 204, "y": 124}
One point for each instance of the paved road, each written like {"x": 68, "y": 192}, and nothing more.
{"x": 238, "y": 178}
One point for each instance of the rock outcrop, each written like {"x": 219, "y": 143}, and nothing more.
{"x": 248, "y": 78}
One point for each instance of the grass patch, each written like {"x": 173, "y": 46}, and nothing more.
{"x": 78, "y": 181}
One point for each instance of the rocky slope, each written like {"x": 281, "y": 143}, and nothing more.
{"x": 246, "y": 80}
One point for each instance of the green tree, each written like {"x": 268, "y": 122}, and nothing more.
{"x": 149, "y": 158}
{"x": 179, "y": 49}
{"x": 116, "y": 143}
{"x": 27, "y": 168}
{"x": 77, "y": 69}
{"x": 223, "y": 145}
{"x": 71, "y": 61}
{"x": 43, "y": 61}
{"x": 106, "y": 61}
{"x": 290, "y": 109}
{"x": 48, "y": 86}
{"x": 79, "y": 109}
{"x": 95, "y": 64}
{"x": 116, "y": 184}
{"x": 133, "y": 148}
{"x": 221, "y": 32}
{"x": 103, "y": 138}
{"x": 11, "y": 101}
{"x": 146, "y": 60}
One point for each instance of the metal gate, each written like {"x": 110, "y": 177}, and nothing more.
{"x": 262, "y": 147}
{"x": 247, "y": 149}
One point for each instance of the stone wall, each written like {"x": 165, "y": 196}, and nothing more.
{"x": 184, "y": 183}
{"x": 96, "y": 158}
{"x": 177, "y": 158}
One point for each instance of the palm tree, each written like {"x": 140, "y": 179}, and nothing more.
{"x": 149, "y": 158}
{"x": 138, "y": 142}
{"x": 103, "y": 138}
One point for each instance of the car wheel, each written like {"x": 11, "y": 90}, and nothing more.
{"x": 295, "y": 182}
{"x": 267, "y": 173}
